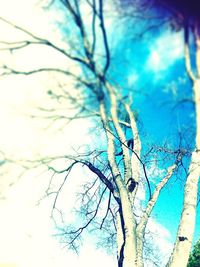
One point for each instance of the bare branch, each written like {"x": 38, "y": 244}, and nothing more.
{"x": 42, "y": 41}
{"x": 187, "y": 54}
{"x": 76, "y": 233}
{"x": 107, "y": 210}
{"x": 104, "y": 37}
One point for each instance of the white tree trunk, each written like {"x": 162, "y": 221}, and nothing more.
{"x": 184, "y": 238}
{"x": 126, "y": 236}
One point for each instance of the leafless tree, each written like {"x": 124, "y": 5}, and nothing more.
{"x": 183, "y": 15}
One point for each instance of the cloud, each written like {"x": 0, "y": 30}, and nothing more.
{"x": 164, "y": 51}
{"x": 154, "y": 173}
{"x": 132, "y": 78}
{"x": 159, "y": 240}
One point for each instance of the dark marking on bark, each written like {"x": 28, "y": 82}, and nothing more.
{"x": 182, "y": 238}
{"x": 121, "y": 254}
{"x": 130, "y": 143}
{"x": 131, "y": 183}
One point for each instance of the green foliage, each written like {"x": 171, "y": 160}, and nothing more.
{"x": 194, "y": 259}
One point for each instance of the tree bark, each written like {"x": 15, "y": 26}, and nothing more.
{"x": 144, "y": 220}
{"x": 185, "y": 233}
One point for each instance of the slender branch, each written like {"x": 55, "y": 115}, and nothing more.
{"x": 187, "y": 53}
{"x": 20, "y": 72}
{"x": 79, "y": 231}
{"x": 101, "y": 176}
{"x": 93, "y": 26}
{"x": 107, "y": 210}
{"x": 16, "y": 45}
{"x": 105, "y": 39}
{"x": 48, "y": 43}
{"x": 21, "y": 29}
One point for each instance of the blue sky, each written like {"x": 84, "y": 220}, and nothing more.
{"x": 153, "y": 70}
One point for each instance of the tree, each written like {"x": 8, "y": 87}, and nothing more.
{"x": 187, "y": 13}
{"x": 194, "y": 259}
{"x": 184, "y": 14}
{"x": 121, "y": 164}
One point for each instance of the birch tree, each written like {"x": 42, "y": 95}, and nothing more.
{"x": 185, "y": 16}
{"x": 120, "y": 166}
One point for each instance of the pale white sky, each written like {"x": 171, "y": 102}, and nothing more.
{"x": 25, "y": 227}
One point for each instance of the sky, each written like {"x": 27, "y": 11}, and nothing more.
{"x": 26, "y": 229}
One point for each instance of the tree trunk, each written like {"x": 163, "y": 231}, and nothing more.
{"x": 144, "y": 219}
{"x": 183, "y": 242}
{"x": 126, "y": 233}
